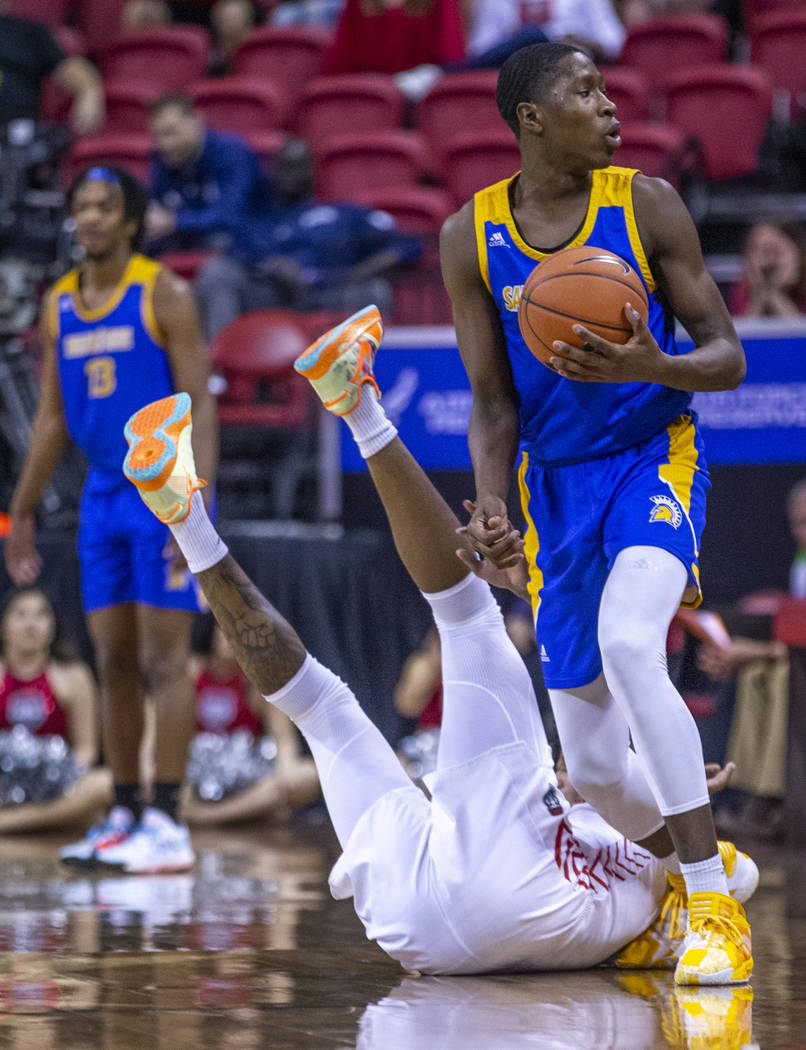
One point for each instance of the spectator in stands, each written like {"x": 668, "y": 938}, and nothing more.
{"x": 303, "y": 254}
{"x": 307, "y": 12}
{"x": 227, "y": 705}
{"x": 145, "y": 14}
{"x": 206, "y": 185}
{"x": 773, "y": 283}
{"x": 231, "y": 22}
{"x": 500, "y": 27}
{"x": 46, "y": 691}
{"x": 29, "y": 54}
{"x": 390, "y": 36}
{"x": 758, "y": 735}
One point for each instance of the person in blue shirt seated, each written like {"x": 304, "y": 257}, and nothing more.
{"x": 302, "y": 254}
{"x": 205, "y": 184}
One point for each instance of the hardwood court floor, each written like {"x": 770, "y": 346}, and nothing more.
{"x": 249, "y": 951}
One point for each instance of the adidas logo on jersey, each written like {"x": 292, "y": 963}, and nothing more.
{"x": 497, "y": 241}
{"x": 544, "y": 656}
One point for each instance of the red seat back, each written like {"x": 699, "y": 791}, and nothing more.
{"x": 337, "y": 105}
{"x": 457, "y": 102}
{"x": 778, "y": 46}
{"x": 238, "y": 103}
{"x": 52, "y": 13}
{"x": 129, "y": 151}
{"x": 169, "y": 59}
{"x": 628, "y": 89}
{"x": 727, "y": 107}
{"x": 127, "y": 105}
{"x": 417, "y": 210}
{"x": 287, "y": 56}
{"x": 656, "y": 149}
{"x": 674, "y": 41}
{"x": 351, "y": 163}
{"x": 255, "y": 355}
{"x": 478, "y": 159}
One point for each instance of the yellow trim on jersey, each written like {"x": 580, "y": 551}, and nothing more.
{"x": 139, "y": 270}
{"x": 679, "y": 473}
{"x": 609, "y": 186}
{"x": 52, "y": 316}
{"x": 531, "y": 539}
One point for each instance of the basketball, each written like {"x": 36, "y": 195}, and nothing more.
{"x": 584, "y": 285}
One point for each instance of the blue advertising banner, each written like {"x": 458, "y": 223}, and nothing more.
{"x": 427, "y": 396}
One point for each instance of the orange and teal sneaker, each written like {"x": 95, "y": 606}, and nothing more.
{"x": 717, "y": 948}
{"x": 160, "y": 457}
{"x": 339, "y": 363}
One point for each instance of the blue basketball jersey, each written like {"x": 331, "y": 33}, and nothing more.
{"x": 562, "y": 421}
{"x": 111, "y": 360}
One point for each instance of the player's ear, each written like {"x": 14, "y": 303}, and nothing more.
{"x": 530, "y": 117}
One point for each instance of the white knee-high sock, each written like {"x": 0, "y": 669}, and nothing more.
{"x": 197, "y": 537}
{"x": 488, "y": 699}
{"x": 356, "y": 766}
{"x": 368, "y": 423}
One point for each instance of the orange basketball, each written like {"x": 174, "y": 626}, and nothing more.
{"x": 585, "y": 285}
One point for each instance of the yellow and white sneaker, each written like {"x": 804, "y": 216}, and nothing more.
{"x": 717, "y": 947}
{"x": 661, "y": 944}
{"x": 339, "y": 363}
{"x": 712, "y": 1019}
{"x": 160, "y": 457}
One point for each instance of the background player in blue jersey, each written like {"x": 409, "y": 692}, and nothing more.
{"x": 612, "y": 472}
{"x": 115, "y": 330}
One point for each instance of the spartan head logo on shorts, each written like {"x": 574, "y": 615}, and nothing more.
{"x": 666, "y": 509}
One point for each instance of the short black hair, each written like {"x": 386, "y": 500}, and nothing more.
{"x": 524, "y": 75}
{"x": 135, "y": 197}
{"x": 172, "y": 100}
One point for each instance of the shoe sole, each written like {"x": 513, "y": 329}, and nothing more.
{"x": 79, "y": 863}
{"x": 153, "y": 435}
{"x": 720, "y": 977}
{"x": 319, "y": 356}
{"x": 161, "y": 869}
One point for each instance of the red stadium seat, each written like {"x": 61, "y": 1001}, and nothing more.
{"x": 350, "y": 163}
{"x": 657, "y": 149}
{"x": 265, "y": 143}
{"x": 672, "y": 42}
{"x": 628, "y": 89}
{"x": 727, "y": 107}
{"x": 336, "y": 105}
{"x": 478, "y": 159}
{"x": 416, "y": 209}
{"x": 457, "y": 102}
{"x": 255, "y": 356}
{"x": 100, "y": 21}
{"x": 52, "y": 12}
{"x": 169, "y": 58}
{"x": 129, "y": 151}
{"x": 185, "y": 264}
{"x": 56, "y": 101}
{"x": 287, "y": 56}
{"x": 127, "y": 105}
{"x": 778, "y": 46}
{"x": 238, "y": 103}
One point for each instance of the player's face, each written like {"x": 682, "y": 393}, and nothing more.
{"x": 579, "y": 120}
{"x": 98, "y": 213}
{"x": 28, "y": 625}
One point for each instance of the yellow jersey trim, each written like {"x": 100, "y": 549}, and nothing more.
{"x": 139, "y": 270}
{"x": 531, "y": 539}
{"x": 678, "y": 474}
{"x": 632, "y": 232}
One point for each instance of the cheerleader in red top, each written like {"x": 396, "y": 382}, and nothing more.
{"x": 226, "y": 704}
{"x": 49, "y": 694}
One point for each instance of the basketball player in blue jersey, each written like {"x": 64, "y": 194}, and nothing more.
{"x": 116, "y": 330}
{"x": 612, "y": 474}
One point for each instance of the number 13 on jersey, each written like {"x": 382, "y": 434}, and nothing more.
{"x": 100, "y": 373}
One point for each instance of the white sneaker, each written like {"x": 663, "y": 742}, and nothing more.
{"x": 112, "y": 832}
{"x": 157, "y": 844}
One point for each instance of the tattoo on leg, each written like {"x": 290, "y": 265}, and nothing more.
{"x": 265, "y": 645}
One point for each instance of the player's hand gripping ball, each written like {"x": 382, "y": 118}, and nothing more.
{"x": 584, "y": 285}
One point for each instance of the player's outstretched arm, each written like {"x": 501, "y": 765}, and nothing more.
{"x": 494, "y": 426}
{"x": 48, "y": 438}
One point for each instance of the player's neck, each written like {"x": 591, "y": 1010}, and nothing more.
{"x": 546, "y": 184}
{"x": 103, "y": 275}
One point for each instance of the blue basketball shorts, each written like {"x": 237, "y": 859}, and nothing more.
{"x": 579, "y": 517}
{"x": 125, "y": 552}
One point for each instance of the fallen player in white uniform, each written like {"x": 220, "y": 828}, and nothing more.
{"x": 495, "y": 872}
